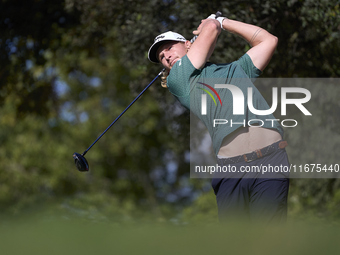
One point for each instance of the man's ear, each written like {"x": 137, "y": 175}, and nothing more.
{"x": 187, "y": 45}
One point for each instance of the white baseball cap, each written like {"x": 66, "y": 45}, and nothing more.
{"x": 159, "y": 40}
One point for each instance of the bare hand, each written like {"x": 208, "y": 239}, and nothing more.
{"x": 199, "y": 28}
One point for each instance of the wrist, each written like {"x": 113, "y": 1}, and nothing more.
{"x": 221, "y": 19}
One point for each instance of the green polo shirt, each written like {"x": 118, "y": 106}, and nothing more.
{"x": 188, "y": 84}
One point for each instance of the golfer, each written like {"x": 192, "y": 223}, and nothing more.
{"x": 188, "y": 72}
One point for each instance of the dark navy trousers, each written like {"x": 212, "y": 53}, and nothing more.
{"x": 254, "y": 195}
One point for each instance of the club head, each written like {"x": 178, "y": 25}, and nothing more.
{"x": 81, "y": 162}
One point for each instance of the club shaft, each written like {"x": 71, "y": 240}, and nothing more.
{"x": 120, "y": 115}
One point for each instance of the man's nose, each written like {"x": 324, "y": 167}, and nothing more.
{"x": 167, "y": 55}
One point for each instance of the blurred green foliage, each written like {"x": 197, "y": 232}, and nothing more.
{"x": 68, "y": 68}
{"x": 78, "y": 237}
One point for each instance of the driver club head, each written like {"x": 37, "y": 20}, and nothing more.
{"x": 81, "y": 162}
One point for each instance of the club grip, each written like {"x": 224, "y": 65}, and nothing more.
{"x": 217, "y": 14}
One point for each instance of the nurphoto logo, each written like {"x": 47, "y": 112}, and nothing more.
{"x": 239, "y": 103}
{"x": 204, "y": 97}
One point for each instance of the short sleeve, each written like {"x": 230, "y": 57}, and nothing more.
{"x": 248, "y": 67}
{"x": 178, "y": 81}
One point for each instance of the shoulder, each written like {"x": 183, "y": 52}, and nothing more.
{"x": 181, "y": 73}
{"x": 182, "y": 65}
{"x": 248, "y": 66}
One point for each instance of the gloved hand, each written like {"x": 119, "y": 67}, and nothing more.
{"x": 212, "y": 16}
{"x": 220, "y": 19}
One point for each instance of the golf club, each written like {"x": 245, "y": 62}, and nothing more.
{"x": 79, "y": 159}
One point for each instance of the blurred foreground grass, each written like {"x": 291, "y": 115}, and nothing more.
{"x": 39, "y": 235}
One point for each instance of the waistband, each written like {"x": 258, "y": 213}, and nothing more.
{"x": 259, "y": 153}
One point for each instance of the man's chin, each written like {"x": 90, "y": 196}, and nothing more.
{"x": 173, "y": 63}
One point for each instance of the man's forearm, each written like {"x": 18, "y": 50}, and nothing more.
{"x": 251, "y": 33}
{"x": 263, "y": 44}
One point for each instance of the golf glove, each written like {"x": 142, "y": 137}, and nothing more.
{"x": 220, "y": 19}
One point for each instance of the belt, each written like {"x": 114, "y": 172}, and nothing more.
{"x": 255, "y": 154}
